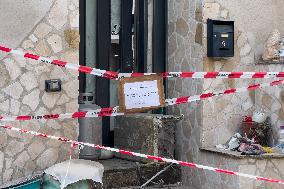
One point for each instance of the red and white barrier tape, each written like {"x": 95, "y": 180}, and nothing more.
{"x": 210, "y": 75}
{"x": 116, "y": 75}
{"x": 204, "y": 96}
{"x": 111, "y": 112}
{"x": 104, "y": 112}
{"x": 83, "y": 69}
{"x": 162, "y": 159}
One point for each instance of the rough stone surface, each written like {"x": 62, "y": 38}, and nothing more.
{"x": 7, "y": 175}
{"x": 25, "y": 110}
{"x": 13, "y": 68}
{"x": 68, "y": 88}
{"x": 58, "y": 73}
{"x": 182, "y": 27}
{"x": 29, "y": 81}
{"x": 8, "y": 163}
{"x": 63, "y": 99}
{"x": 48, "y": 158}
{"x": 72, "y": 37}
{"x": 17, "y": 174}
{"x": 3, "y": 139}
{"x": 33, "y": 38}
{"x": 2, "y": 97}
{"x": 32, "y": 125}
{"x": 1, "y": 161}
{"x": 242, "y": 40}
{"x": 211, "y": 10}
{"x": 72, "y": 106}
{"x": 19, "y": 19}
{"x": 21, "y": 160}
{"x": 54, "y": 124}
{"x": 245, "y": 50}
{"x": 74, "y": 19}
{"x": 55, "y": 42}
{"x": 14, "y": 134}
{"x": 4, "y": 76}
{"x": 213, "y": 121}
{"x": 4, "y": 106}
{"x": 41, "y": 69}
{"x": 20, "y": 60}
{"x": 32, "y": 99}
{"x": 15, "y": 107}
{"x": 42, "y": 30}
{"x": 42, "y": 49}
{"x": 198, "y": 34}
{"x": 28, "y": 44}
{"x": 35, "y": 149}
{"x": 224, "y": 14}
{"x": 14, "y": 147}
{"x": 22, "y": 82}
{"x": 29, "y": 168}
{"x": 49, "y": 100}
{"x": 58, "y": 14}
{"x": 155, "y": 138}
{"x": 14, "y": 90}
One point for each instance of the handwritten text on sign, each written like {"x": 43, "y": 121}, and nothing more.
{"x": 141, "y": 94}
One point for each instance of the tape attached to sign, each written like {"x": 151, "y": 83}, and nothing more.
{"x": 151, "y": 157}
{"x": 141, "y": 94}
{"x": 111, "y": 112}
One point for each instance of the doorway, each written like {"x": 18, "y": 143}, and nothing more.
{"x": 123, "y": 36}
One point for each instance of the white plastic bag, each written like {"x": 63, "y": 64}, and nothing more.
{"x": 78, "y": 170}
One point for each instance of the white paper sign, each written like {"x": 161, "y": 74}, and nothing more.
{"x": 141, "y": 94}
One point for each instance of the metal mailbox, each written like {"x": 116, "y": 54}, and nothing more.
{"x": 220, "y": 38}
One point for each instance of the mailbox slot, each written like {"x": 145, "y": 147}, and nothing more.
{"x": 220, "y": 38}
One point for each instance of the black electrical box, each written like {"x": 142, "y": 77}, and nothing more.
{"x": 53, "y": 85}
{"x": 220, "y": 38}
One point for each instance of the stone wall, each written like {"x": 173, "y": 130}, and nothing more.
{"x": 271, "y": 101}
{"x": 185, "y": 53}
{"x": 213, "y": 121}
{"x": 54, "y": 33}
{"x": 265, "y": 167}
{"x": 254, "y": 21}
{"x": 224, "y": 114}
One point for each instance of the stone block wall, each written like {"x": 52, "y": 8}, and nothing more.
{"x": 213, "y": 121}
{"x": 185, "y": 53}
{"x": 265, "y": 167}
{"x": 253, "y": 23}
{"x": 55, "y": 34}
{"x": 271, "y": 101}
{"x": 224, "y": 114}
{"x": 150, "y": 134}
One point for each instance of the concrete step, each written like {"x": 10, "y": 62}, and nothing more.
{"x": 172, "y": 186}
{"x": 121, "y": 173}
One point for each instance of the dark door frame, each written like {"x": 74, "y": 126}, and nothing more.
{"x": 102, "y": 62}
{"x": 141, "y": 35}
{"x": 160, "y": 33}
{"x": 103, "y": 28}
{"x": 82, "y": 46}
{"x": 103, "y": 48}
{"x": 160, "y": 41}
{"x": 125, "y": 37}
